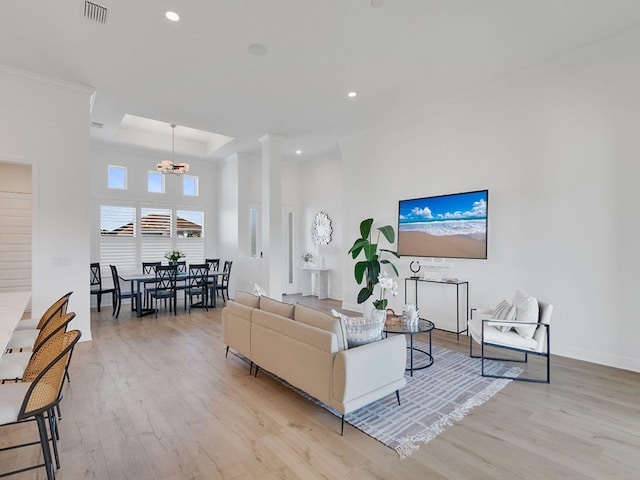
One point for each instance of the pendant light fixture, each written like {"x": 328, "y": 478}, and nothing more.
{"x": 167, "y": 166}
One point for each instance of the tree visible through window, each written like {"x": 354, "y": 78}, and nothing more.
{"x": 189, "y": 224}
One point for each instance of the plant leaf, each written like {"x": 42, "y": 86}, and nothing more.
{"x": 359, "y": 271}
{"x": 388, "y": 233}
{"x": 370, "y": 251}
{"x": 365, "y": 227}
{"x": 364, "y": 294}
{"x": 395, "y": 254}
{"x": 357, "y": 247}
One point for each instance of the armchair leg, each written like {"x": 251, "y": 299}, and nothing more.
{"x": 398, "y": 396}
{"x": 342, "y": 427}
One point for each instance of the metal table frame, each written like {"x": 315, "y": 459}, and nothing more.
{"x": 424, "y": 326}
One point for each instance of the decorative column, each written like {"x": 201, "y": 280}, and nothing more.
{"x": 272, "y": 241}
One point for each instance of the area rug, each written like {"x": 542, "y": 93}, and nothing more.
{"x": 433, "y": 399}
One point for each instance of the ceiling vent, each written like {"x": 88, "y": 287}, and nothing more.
{"x": 95, "y": 11}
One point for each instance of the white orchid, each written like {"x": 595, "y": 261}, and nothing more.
{"x": 385, "y": 282}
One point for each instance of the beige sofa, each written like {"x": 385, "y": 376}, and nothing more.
{"x": 308, "y": 349}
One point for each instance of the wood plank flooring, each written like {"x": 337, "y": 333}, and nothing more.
{"x": 154, "y": 399}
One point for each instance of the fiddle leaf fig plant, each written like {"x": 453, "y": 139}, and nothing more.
{"x": 368, "y": 269}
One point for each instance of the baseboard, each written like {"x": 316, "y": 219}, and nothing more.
{"x": 600, "y": 358}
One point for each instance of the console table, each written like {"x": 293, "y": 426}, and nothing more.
{"x": 322, "y": 281}
{"x": 457, "y": 284}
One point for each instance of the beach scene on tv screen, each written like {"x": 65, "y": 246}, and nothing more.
{"x": 450, "y": 226}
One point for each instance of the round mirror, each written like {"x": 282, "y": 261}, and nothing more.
{"x": 321, "y": 229}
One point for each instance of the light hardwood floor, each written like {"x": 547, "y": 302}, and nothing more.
{"x": 156, "y": 399}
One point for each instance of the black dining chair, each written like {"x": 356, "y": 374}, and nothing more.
{"x": 96, "y": 285}
{"x": 147, "y": 269}
{"x": 214, "y": 266}
{"x": 197, "y": 286}
{"x": 119, "y": 293}
{"x": 164, "y": 287}
{"x": 223, "y": 285}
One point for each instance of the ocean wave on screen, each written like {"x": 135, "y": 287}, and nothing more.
{"x": 444, "y": 228}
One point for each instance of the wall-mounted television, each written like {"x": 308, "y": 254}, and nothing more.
{"x": 444, "y": 226}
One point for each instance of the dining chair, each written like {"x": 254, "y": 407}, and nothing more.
{"x": 119, "y": 293}
{"x": 147, "y": 269}
{"x": 37, "y": 396}
{"x": 165, "y": 287}
{"x": 214, "y": 266}
{"x": 59, "y": 307}
{"x": 96, "y": 285}
{"x": 197, "y": 286}
{"x": 182, "y": 266}
{"x": 223, "y": 286}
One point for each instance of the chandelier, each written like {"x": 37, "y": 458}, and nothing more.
{"x": 167, "y": 166}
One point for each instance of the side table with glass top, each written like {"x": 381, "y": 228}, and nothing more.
{"x": 424, "y": 326}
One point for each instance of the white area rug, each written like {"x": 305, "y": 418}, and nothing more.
{"x": 432, "y": 399}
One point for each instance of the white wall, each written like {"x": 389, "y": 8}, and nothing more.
{"x": 558, "y": 152}
{"x": 324, "y": 192}
{"x": 45, "y": 123}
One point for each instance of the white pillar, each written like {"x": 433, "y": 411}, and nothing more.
{"x": 272, "y": 241}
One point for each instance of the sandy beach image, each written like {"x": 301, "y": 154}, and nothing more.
{"x": 449, "y": 226}
{"x": 449, "y": 246}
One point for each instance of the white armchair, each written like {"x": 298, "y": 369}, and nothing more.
{"x": 528, "y": 333}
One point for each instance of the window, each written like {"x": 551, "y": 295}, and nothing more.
{"x": 189, "y": 224}
{"x": 117, "y": 221}
{"x": 117, "y": 236}
{"x": 155, "y": 182}
{"x": 190, "y": 185}
{"x": 253, "y": 231}
{"x": 117, "y": 177}
{"x": 155, "y": 222}
{"x": 190, "y": 233}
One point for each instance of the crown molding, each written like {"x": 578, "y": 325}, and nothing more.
{"x": 89, "y": 90}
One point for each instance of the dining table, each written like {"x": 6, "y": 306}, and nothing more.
{"x": 12, "y": 308}
{"x": 137, "y": 280}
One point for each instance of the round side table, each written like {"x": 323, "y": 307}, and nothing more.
{"x": 424, "y": 326}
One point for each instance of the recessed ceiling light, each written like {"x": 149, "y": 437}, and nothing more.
{"x": 377, "y": 3}
{"x": 298, "y": 152}
{"x": 351, "y": 94}
{"x": 257, "y": 49}
{"x": 173, "y": 16}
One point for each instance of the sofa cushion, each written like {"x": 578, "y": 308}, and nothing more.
{"x": 323, "y": 320}
{"x": 527, "y": 308}
{"x": 247, "y": 299}
{"x": 274, "y": 306}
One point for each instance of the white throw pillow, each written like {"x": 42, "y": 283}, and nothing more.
{"x": 257, "y": 289}
{"x": 504, "y": 311}
{"x": 527, "y": 308}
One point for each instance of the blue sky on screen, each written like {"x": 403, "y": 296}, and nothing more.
{"x": 461, "y": 206}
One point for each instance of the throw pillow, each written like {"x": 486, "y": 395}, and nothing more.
{"x": 358, "y": 330}
{"x": 319, "y": 319}
{"x": 257, "y": 289}
{"x": 527, "y": 308}
{"x": 506, "y": 312}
